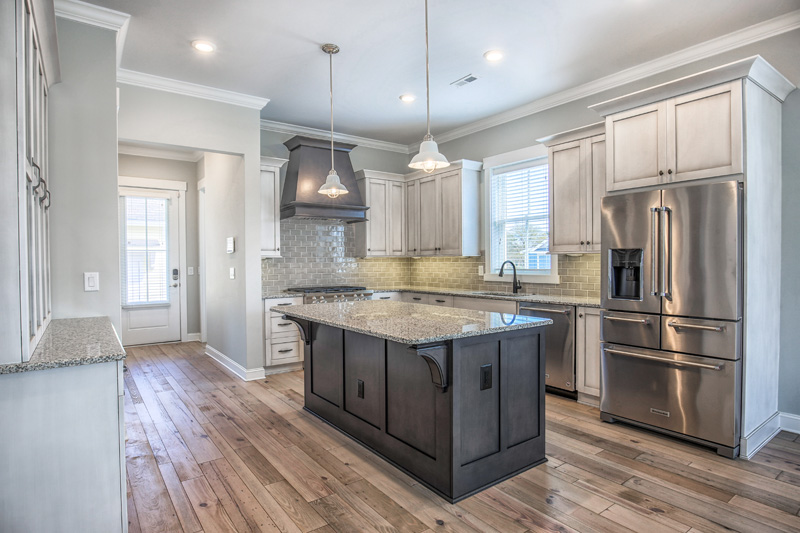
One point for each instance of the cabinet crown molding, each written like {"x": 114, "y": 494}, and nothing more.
{"x": 755, "y": 68}
{"x": 379, "y": 174}
{"x": 598, "y": 128}
{"x": 272, "y": 162}
{"x": 466, "y": 164}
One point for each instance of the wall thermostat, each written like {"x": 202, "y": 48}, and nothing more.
{"x": 230, "y": 245}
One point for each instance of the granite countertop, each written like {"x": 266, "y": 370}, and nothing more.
{"x": 73, "y": 342}
{"x": 497, "y": 295}
{"x": 580, "y": 301}
{"x": 410, "y": 323}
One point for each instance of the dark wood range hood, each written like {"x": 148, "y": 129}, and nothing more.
{"x": 309, "y": 163}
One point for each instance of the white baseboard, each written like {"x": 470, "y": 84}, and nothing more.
{"x": 281, "y": 369}
{"x": 759, "y": 437}
{"x": 790, "y": 422}
{"x": 191, "y": 337}
{"x": 246, "y": 374}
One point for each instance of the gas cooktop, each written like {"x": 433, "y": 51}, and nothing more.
{"x": 326, "y": 289}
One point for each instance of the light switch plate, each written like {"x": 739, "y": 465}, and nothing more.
{"x": 191, "y": 271}
{"x": 233, "y": 273}
{"x": 230, "y": 245}
{"x": 91, "y": 281}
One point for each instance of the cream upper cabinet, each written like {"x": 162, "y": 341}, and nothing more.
{"x": 445, "y": 211}
{"x": 692, "y": 136}
{"x": 587, "y": 351}
{"x": 428, "y": 216}
{"x": 384, "y": 232}
{"x": 270, "y": 206}
{"x": 412, "y": 218}
{"x": 576, "y": 184}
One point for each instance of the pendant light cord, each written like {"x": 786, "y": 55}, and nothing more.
{"x": 427, "y": 71}
{"x": 330, "y": 57}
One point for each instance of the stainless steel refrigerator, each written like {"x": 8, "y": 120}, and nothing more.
{"x": 672, "y": 298}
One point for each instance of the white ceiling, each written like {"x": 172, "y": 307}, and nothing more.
{"x": 270, "y": 49}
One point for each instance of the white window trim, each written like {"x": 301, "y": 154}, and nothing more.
{"x": 536, "y": 151}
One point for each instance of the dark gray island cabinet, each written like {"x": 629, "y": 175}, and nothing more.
{"x": 453, "y": 397}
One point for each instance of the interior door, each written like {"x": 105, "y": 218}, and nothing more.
{"x": 150, "y": 269}
{"x": 703, "y": 240}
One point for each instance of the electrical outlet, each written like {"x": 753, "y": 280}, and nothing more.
{"x": 486, "y": 377}
{"x": 480, "y": 270}
{"x": 360, "y": 389}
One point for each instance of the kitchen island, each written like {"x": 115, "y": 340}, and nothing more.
{"x": 453, "y": 397}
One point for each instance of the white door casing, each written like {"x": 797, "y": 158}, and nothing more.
{"x": 154, "y": 316}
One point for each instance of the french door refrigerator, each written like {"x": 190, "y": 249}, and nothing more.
{"x": 672, "y": 298}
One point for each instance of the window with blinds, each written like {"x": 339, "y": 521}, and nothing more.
{"x": 519, "y": 217}
{"x": 144, "y": 247}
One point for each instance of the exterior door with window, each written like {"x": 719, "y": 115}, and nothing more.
{"x": 150, "y": 270}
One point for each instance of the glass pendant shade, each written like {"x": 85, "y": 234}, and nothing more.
{"x": 333, "y": 187}
{"x": 429, "y": 158}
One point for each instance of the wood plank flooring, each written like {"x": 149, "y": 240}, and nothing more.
{"x": 208, "y": 452}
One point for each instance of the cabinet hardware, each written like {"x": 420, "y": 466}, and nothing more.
{"x": 415, "y": 298}
{"x": 284, "y": 304}
{"x": 369, "y": 249}
{"x": 669, "y": 171}
{"x": 278, "y": 248}
{"x": 386, "y": 297}
{"x": 660, "y": 172}
{"x": 581, "y": 243}
{"x": 285, "y": 324}
{"x": 665, "y": 361}
{"x": 287, "y": 350}
{"x": 588, "y": 242}
{"x": 624, "y": 319}
{"x": 360, "y": 389}
{"x": 580, "y": 315}
{"x": 676, "y": 325}
{"x": 440, "y": 301}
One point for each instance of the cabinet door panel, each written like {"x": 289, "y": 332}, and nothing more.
{"x": 636, "y": 147}
{"x": 377, "y": 192}
{"x": 450, "y": 212}
{"x": 565, "y": 197}
{"x": 428, "y": 216}
{"x": 326, "y": 363}
{"x": 705, "y": 133}
{"x": 412, "y": 218}
{"x": 270, "y": 211}
{"x": 588, "y": 351}
{"x": 397, "y": 218}
{"x": 597, "y": 183}
{"x": 522, "y": 384}
{"x": 364, "y": 376}
{"x": 479, "y": 411}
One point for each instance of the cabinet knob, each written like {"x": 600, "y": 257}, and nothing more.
{"x": 660, "y": 172}
{"x": 669, "y": 171}
{"x": 588, "y": 242}
{"x": 369, "y": 249}
{"x": 580, "y": 315}
{"x": 278, "y": 248}
{"x": 582, "y": 243}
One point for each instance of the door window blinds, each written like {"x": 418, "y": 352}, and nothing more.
{"x": 144, "y": 250}
{"x": 519, "y": 217}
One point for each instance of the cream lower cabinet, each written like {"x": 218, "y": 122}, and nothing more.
{"x": 587, "y": 354}
{"x": 282, "y": 342}
{"x": 692, "y": 136}
{"x": 384, "y": 232}
{"x": 442, "y": 211}
{"x": 270, "y": 206}
{"x": 577, "y": 168}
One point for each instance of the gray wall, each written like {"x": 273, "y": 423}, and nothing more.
{"x": 84, "y": 232}
{"x": 185, "y": 171}
{"x": 781, "y": 52}
{"x": 361, "y": 157}
{"x": 162, "y": 118}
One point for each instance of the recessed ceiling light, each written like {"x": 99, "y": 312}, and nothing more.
{"x": 407, "y": 98}
{"x": 203, "y": 46}
{"x": 493, "y": 55}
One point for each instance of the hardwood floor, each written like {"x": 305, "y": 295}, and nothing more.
{"x": 208, "y": 452}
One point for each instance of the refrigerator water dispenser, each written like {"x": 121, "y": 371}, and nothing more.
{"x": 625, "y": 273}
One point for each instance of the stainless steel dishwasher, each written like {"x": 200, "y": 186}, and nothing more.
{"x": 559, "y": 340}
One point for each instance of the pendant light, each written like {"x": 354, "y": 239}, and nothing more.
{"x": 333, "y": 187}
{"x": 428, "y": 158}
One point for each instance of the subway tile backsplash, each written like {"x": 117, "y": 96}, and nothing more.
{"x": 322, "y": 252}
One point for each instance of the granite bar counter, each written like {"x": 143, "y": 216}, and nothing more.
{"x": 453, "y": 397}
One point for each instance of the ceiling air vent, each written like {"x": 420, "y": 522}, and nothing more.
{"x": 460, "y": 82}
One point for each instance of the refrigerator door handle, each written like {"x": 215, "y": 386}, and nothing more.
{"x": 653, "y": 243}
{"x": 666, "y": 252}
{"x": 643, "y": 321}
{"x": 665, "y": 361}
{"x": 677, "y": 325}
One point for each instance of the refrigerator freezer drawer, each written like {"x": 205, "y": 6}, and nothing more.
{"x": 711, "y": 338}
{"x": 634, "y": 329}
{"x": 694, "y": 396}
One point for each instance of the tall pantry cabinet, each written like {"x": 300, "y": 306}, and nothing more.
{"x": 29, "y": 62}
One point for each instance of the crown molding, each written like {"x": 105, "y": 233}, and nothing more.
{"x": 751, "y": 34}
{"x": 292, "y": 129}
{"x": 160, "y": 153}
{"x": 151, "y": 81}
{"x": 102, "y": 17}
